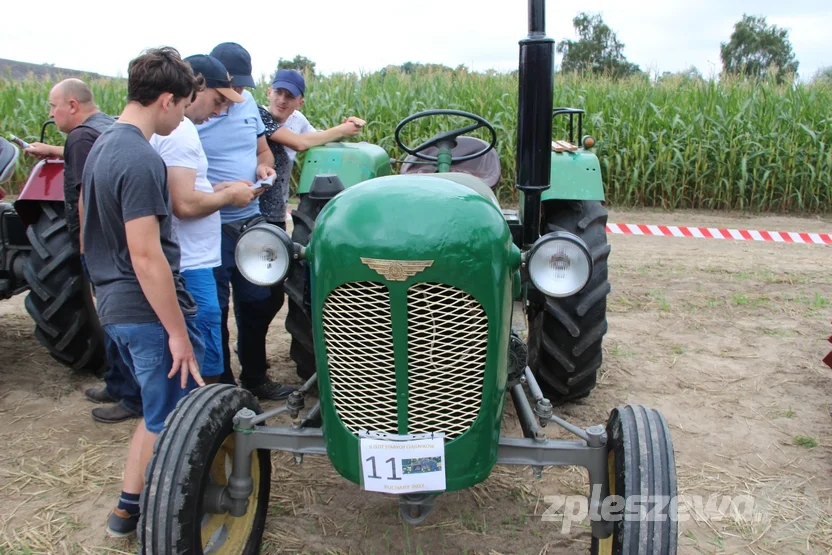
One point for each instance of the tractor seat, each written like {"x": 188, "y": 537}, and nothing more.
{"x": 8, "y": 159}
{"x": 486, "y": 167}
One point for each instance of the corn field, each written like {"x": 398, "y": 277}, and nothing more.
{"x": 671, "y": 144}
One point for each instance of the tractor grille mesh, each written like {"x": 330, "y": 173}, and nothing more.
{"x": 447, "y": 343}
{"x": 359, "y": 347}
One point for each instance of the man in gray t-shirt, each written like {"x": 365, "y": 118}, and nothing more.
{"x": 133, "y": 259}
{"x": 130, "y": 183}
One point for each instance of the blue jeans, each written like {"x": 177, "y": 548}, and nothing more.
{"x": 253, "y": 311}
{"x": 118, "y": 381}
{"x": 202, "y": 286}
{"x": 144, "y": 349}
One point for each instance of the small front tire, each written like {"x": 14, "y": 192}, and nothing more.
{"x": 195, "y": 449}
{"x": 642, "y": 474}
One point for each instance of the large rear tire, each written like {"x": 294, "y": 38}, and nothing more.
{"x": 642, "y": 469}
{"x": 60, "y": 298}
{"x": 299, "y": 314}
{"x": 565, "y": 334}
{"x": 195, "y": 449}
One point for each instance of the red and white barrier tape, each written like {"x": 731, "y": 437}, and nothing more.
{"x": 721, "y": 233}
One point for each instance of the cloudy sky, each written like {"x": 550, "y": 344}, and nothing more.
{"x": 364, "y": 35}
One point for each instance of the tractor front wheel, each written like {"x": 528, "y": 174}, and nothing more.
{"x": 642, "y": 478}
{"x": 565, "y": 334}
{"x": 60, "y": 299}
{"x": 192, "y": 456}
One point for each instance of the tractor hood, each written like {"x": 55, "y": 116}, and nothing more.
{"x": 446, "y": 228}
{"x": 394, "y": 263}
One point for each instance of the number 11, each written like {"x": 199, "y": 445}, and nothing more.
{"x": 391, "y": 460}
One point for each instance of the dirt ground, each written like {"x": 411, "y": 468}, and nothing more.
{"x": 723, "y": 337}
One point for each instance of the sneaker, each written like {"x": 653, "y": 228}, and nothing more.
{"x": 270, "y": 390}
{"x": 99, "y": 396}
{"x": 113, "y": 414}
{"x": 121, "y": 524}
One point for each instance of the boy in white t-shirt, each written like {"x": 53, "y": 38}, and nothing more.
{"x": 196, "y": 202}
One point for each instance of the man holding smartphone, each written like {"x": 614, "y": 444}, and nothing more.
{"x": 236, "y": 147}
{"x": 196, "y": 202}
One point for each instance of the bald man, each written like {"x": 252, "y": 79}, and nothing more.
{"x": 75, "y": 113}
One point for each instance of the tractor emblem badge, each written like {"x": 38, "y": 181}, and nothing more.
{"x": 397, "y": 270}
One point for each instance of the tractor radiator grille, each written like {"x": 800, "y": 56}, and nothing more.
{"x": 359, "y": 346}
{"x": 447, "y": 343}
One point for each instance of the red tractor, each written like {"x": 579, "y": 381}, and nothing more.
{"x": 37, "y": 254}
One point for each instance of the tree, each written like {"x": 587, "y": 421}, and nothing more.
{"x": 756, "y": 48}
{"x": 299, "y": 63}
{"x": 598, "y": 49}
{"x": 692, "y": 73}
{"x": 823, "y": 75}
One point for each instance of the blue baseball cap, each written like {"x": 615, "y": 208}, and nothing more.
{"x": 238, "y": 62}
{"x": 290, "y": 80}
{"x": 215, "y": 74}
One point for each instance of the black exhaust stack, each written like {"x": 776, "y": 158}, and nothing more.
{"x": 534, "y": 118}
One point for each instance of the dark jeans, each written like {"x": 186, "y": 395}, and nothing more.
{"x": 254, "y": 309}
{"x": 118, "y": 381}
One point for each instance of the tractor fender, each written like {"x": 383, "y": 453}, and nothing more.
{"x": 574, "y": 176}
{"x": 45, "y": 183}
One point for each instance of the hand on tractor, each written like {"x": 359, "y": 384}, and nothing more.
{"x": 184, "y": 360}
{"x": 357, "y": 121}
{"x": 351, "y": 126}
{"x": 43, "y": 151}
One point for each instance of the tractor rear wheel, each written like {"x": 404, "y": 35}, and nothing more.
{"x": 60, "y": 298}
{"x": 565, "y": 334}
{"x": 193, "y": 457}
{"x": 299, "y": 317}
{"x": 642, "y": 476}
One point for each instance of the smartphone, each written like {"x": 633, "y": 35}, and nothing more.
{"x": 266, "y": 182}
{"x": 19, "y": 141}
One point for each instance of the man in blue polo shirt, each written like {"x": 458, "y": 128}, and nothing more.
{"x": 236, "y": 148}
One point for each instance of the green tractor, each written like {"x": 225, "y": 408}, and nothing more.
{"x": 410, "y": 298}
{"x": 565, "y": 331}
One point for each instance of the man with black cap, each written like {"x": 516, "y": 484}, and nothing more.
{"x": 196, "y": 202}
{"x": 236, "y": 147}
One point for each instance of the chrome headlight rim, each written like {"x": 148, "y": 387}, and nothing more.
{"x": 559, "y": 236}
{"x": 283, "y": 241}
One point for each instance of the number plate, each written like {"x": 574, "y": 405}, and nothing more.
{"x": 402, "y": 464}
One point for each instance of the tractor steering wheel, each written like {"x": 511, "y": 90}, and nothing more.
{"x": 447, "y": 137}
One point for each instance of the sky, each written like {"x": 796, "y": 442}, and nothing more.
{"x": 366, "y": 35}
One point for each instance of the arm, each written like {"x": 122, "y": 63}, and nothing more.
{"x": 265, "y": 158}
{"x": 156, "y": 280}
{"x": 304, "y": 141}
{"x": 81, "y": 220}
{"x": 41, "y": 150}
{"x": 189, "y": 203}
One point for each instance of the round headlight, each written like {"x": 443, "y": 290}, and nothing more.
{"x": 263, "y": 254}
{"x": 559, "y": 264}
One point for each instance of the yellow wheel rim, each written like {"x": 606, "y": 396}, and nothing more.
{"x": 605, "y": 545}
{"x": 225, "y": 534}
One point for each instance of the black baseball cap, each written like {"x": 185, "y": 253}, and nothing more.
{"x": 215, "y": 74}
{"x": 238, "y": 62}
